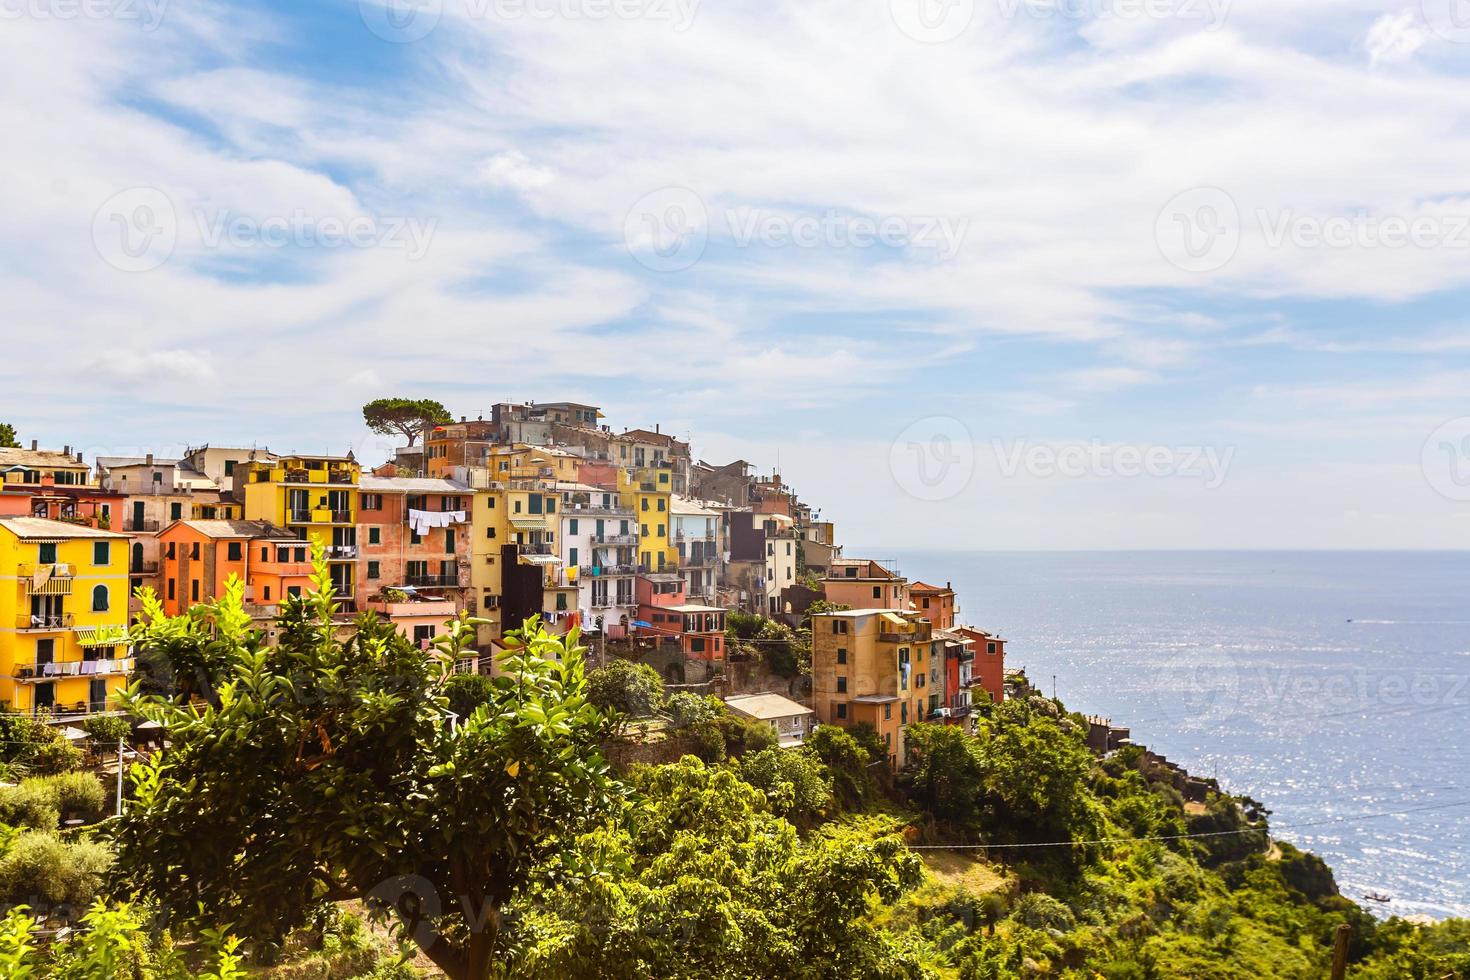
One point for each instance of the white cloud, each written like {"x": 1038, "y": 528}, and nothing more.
{"x": 1394, "y": 38}
{"x": 162, "y": 366}
{"x": 511, "y": 169}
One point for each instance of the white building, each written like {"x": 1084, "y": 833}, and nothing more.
{"x": 599, "y": 546}
{"x": 695, "y": 533}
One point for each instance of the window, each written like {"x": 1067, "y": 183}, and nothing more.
{"x": 990, "y": 648}
{"x": 265, "y": 554}
{"x": 102, "y": 553}
{"x": 903, "y": 713}
{"x": 194, "y": 590}
{"x": 877, "y": 592}
{"x": 842, "y": 711}
{"x": 234, "y": 551}
{"x": 171, "y": 589}
{"x": 926, "y": 603}
{"x": 414, "y": 538}
{"x": 561, "y": 601}
{"x": 294, "y": 590}
{"x": 370, "y": 501}
{"x": 175, "y": 511}
{"x": 518, "y": 507}
{"x": 266, "y": 593}
{"x": 661, "y": 504}
{"x": 99, "y": 599}
{"x": 696, "y": 644}
{"x": 888, "y": 712}
{"x": 46, "y": 553}
{"x": 572, "y": 526}
{"x": 660, "y": 530}
{"x": 842, "y": 685}
{"x": 194, "y": 551}
{"x": 489, "y": 532}
{"x": 373, "y": 569}
{"x": 449, "y": 540}
{"x": 550, "y": 505}
{"x": 170, "y": 554}
{"x": 375, "y": 535}
{"x": 842, "y": 655}
{"x": 839, "y": 626}
{"x": 450, "y": 504}
{"x": 920, "y": 681}
{"x": 229, "y": 467}
{"x": 423, "y": 634}
{"x": 571, "y": 556}
{"x": 157, "y": 477}
{"x": 645, "y": 532}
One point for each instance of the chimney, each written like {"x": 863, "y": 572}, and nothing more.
{"x": 149, "y": 460}
{"x": 655, "y": 428}
{"x": 66, "y": 450}
{"x": 35, "y": 446}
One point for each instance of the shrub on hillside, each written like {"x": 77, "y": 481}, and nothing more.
{"x": 41, "y": 867}
{"x": 796, "y": 784}
{"x": 35, "y": 747}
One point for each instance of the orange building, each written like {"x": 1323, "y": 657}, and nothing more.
{"x": 879, "y": 666}
{"x": 198, "y": 557}
{"x": 989, "y": 668}
{"x": 865, "y": 584}
{"x": 664, "y": 612}
{"x": 935, "y": 603}
{"x": 414, "y": 532}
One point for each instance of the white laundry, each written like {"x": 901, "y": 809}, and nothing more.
{"x": 422, "y": 521}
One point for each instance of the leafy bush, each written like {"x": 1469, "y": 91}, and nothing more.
{"x": 744, "y": 735}
{"x": 623, "y": 686}
{"x": 796, "y": 784}
{"x": 686, "y": 708}
{"x": 106, "y": 730}
{"x": 79, "y": 793}
{"x": 40, "y": 866}
{"x": 29, "y": 805}
{"x": 1038, "y": 911}
{"x": 466, "y": 692}
{"x": 846, "y": 761}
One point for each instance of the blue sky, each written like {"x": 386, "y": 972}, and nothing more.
{"x": 917, "y": 250}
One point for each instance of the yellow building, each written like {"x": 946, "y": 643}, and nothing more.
{"x": 648, "y": 492}
{"x": 314, "y": 497}
{"x": 538, "y": 463}
{"x": 877, "y": 666}
{"x": 515, "y": 523}
{"x": 63, "y": 616}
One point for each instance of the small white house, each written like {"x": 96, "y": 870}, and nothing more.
{"x": 792, "y": 721}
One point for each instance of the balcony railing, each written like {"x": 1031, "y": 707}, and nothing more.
{"x": 140, "y": 526}
{"x": 699, "y": 561}
{"x": 534, "y": 549}
{"x": 432, "y": 581}
{"x": 48, "y": 624}
{"x": 83, "y": 668}
{"x": 143, "y": 567}
{"x": 341, "y": 552}
{"x": 603, "y": 571}
{"x": 614, "y": 539}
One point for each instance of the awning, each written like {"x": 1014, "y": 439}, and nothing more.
{"x": 639, "y": 622}
{"x": 101, "y": 636}
{"x": 540, "y": 560}
{"x": 528, "y": 524}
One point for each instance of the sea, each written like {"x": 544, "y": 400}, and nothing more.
{"x": 1333, "y": 687}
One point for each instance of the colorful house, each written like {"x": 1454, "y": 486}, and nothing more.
{"x": 989, "y": 670}
{"x": 598, "y": 546}
{"x": 664, "y": 612}
{"x": 199, "y": 557}
{"x": 415, "y": 532}
{"x": 936, "y": 603}
{"x": 878, "y": 666}
{"x": 865, "y": 584}
{"x": 63, "y": 616}
{"x": 648, "y": 492}
{"x": 315, "y": 498}
{"x": 696, "y": 538}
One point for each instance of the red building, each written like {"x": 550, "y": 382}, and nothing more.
{"x": 989, "y": 668}
{"x": 664, "y": 612}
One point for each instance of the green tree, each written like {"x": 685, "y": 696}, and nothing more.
{"x": 946, "y": 773}
{"x": 713, "y": 884}
{"x": 28, "y": 745}
{"x": 7, "y": 436}
{"x": 328, "y": 769}
{"x": 847, "y": 762}
{"x": 630, "y": 689}
{"x": 797, "y": 785}
{"x": 404, "y": 416}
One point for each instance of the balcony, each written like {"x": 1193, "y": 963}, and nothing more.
{"x": 700, "y": 561}
{"x": 45, "y": 579}
{"x": 86, "y": 668}
{"x": 626, "y": 540}
{"x": 143, "y": 567}
{"x": 534, "y": 549}
{"x": 605, "y": 571}
{"x": 341, "y": 552}
{"x": 139, "y": 527}
{"x": 432, "y": 581}
{"x": 27, "y": 623}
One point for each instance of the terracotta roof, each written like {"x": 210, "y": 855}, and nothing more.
{"x": 767, "y": 706}
{"x": 40, "y": 528}
{"x": 922, "y": 587}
